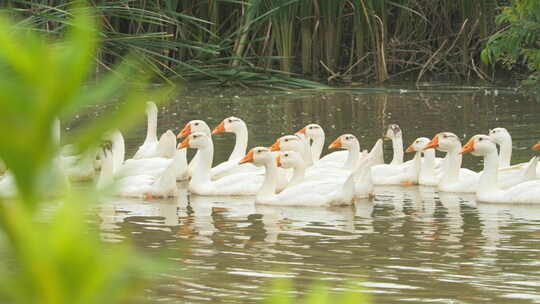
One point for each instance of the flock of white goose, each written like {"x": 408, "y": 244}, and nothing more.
{"x": 291, "y": 171}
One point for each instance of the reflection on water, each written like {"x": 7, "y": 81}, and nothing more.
{"x": 408, "y": 244}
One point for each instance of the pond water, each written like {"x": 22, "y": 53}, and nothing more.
{"x": 407, "y": 245}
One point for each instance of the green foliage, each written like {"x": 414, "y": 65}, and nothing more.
{"x": 518, "y": 41}
{"x": 50, "y": 253}
{"x": 262, "y": 42}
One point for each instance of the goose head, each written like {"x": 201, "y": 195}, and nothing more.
{"x": 393, "y": 131}
{"x": 312, "y": 131}
{"x": 287, "y": 143}
{"x": 231, "y": 124}
{"x": 480, "y": 145}
{"x": 536, "y": 146}
{"x": 499, "y": 135}
{"x": 445, "y": 142}
{"x": 345, "y": 141}
{"x": 418, "y": 145}
{"x": 289, "y": 159}
{"x": 196, "y": 140}
{"x": 194, "y": 126}
{"x": 259, "y": 156}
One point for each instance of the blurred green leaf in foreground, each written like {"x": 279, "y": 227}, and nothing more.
{"x": 56, "y": 255}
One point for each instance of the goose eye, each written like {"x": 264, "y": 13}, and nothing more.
{"x": 480, "y": 139}
{"x": 286, "y": 155}
{"x": 230, "y": 120}
{"x": 286, "y": 139}
{"x": 196, "y": 123}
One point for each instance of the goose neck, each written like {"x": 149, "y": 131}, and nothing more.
{"x": 428, "y": 165}
{"x": 453, "y": 165}
{"x": 316, "y": 148}
{"x": 298, "y": 175}
{"x": 268, "y": 188}
{"x": 118, "y": 152}
{"x": 306, "y": 153}
{"x": 201, "y": 170}
{"x": 352, "y": 157}
{"x": 151, "y": 128}
{"x": 489, "y": 178}
{"x": 505, "y": 154}
{"x": 397, "y": 146}
{"x": 417, "y": 163}
{"x": 240, "y": 144}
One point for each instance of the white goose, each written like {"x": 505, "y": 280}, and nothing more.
{"x": 238, "y": 127}
{"x": 138, "y": 186}
{"x": 454, "y": 178}
{"x": 293, "y": 159}
{"x": 80, "y": 167}
{"x": 149, "y": 147}
{"x": 381, "y": 173}
{"x": 429, "y": 175}
{"x": 77, "y": 167}
{"x": 299, "y": 195}
{"x": 408, "y": 174}
{"x": 202, "y": 184}
{"x": 502, "y": 137}
{"x": 316, "y": 133}
{"x": 191, "y": 127}
{"x": 457, "y": 179}
{"x": 394, "y": 134}
{"x": 488, "y": 190}
{"x": 330, "y": 170}
{"x": 165, "y": 153}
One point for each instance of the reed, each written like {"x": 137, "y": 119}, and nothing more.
{"x": 339, "y": 40}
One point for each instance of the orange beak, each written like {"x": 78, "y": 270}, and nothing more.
{"x": 537, "y": 146}
{"x": 469, "y": 146}
{"x": 410, "y": 149}
{"x": 185, "y": 131}
{"x": 183, "y": 144}
{"x": 278, "y": 160}
{"x": 247, "y": 159}
{"x": 335, "y": 144}
{"x": 220, "y": 128}
{"x": 434, "y": 143}
{"x": 303, "y": 131}
{"x": 275, "y": 146}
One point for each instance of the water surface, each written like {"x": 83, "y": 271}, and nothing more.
{"x": 407, "y": 245}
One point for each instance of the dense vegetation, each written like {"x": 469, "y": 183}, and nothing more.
{"x": 518, "y": 42}
{"x": 260, "y": 42}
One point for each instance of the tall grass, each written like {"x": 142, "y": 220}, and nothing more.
{"x": 247, "y": 41}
